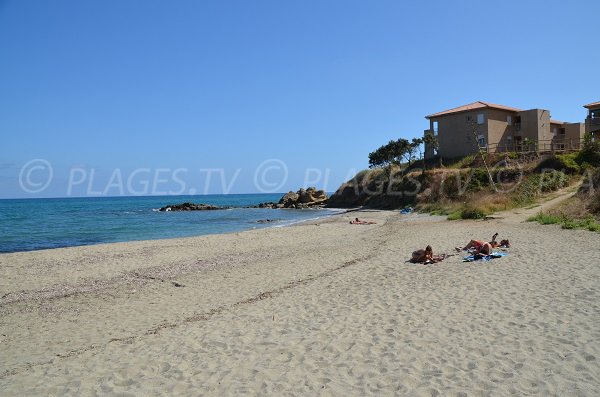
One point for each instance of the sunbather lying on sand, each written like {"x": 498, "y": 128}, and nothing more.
{"x": 357, "y": 221}
{"x": 426, "y": 256}
{"x": 476, "y": 247}
{"x": 501, "y": 244}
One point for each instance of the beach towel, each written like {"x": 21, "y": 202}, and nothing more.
{"x": 486, "y": 258}
{"x": 436, "y": 259}
{"x": 406, "y": 210}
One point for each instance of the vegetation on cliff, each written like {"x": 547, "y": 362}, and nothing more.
{"x": 582, "y": 211}
{"x": 466, "y": 189}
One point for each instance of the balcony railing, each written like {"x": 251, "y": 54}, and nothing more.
{"x": 593, "y": 121}
{"x": 541, "y": 146}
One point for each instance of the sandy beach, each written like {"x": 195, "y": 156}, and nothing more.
{"x": 323, "y": 308}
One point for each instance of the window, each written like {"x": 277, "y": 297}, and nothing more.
{"x": 480, "y": 118}
{"x": 481, "y": 140}
{"x": 554, "y": 131}
{"x": 435, "y": 128}
{"x": 562, "y": 131}
{"x": 509, "y": 120}
{"x": 469, "y": 118}
{"x": 517, "y": 123}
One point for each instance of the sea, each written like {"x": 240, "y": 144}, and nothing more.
{"x": 34, "y": 224}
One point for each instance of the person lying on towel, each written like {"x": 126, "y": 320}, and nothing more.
{"x": 426, "y": 256}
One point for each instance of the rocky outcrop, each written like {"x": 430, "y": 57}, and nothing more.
{"x": 268, "y": 204}
{"x": 308, "y": 198}
{"x": 371, "y": 189}
{"x": 191, "y": 207}
{"x": 348, "y": 196}
{"x": 289, "y": 200}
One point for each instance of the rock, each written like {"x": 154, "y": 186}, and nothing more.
{"x": 308, "y": 198}
{"x": 312, "y": 196}
{"x": 348, "y": 196}
{"x": 268, "y": 204}
{"x": 289, "y": 199}
{"x": 267, "y": 220}
{"x": 191, "y": 207}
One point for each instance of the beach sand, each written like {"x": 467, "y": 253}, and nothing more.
{"x": 324, "y": 308}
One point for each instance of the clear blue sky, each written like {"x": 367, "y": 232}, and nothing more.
{"x": 105, "y": 85}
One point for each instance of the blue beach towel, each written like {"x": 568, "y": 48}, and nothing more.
{"x": 407, "y": 210}
{"x": 486, "y": 258}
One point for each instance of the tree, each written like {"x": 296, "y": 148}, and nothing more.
{"x": 388, "y": 154}
{"x": 415, "y": 146}
{"x": 528, "y": 143}
{"x": 382, "y": 157}
{"x": 431, "y": 141}
{"x": 394, "y": 152}
{"x": 590, "y": 144}
{"x": 403, "y": 150}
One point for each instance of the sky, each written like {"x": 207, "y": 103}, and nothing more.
{"x": 212, "y": 97}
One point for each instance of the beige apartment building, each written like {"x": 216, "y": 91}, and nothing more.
{"x": 497, "y": 128}
{"x": 592, "y": 121}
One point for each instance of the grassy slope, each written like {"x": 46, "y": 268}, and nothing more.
{"x": 463, "y": 190}
{"x": 582, "y": 211}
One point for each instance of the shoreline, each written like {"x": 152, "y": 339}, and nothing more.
{"x": 250, "y": 226}
{"x": 334, "y": 305}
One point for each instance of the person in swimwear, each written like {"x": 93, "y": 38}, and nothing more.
{"x": 420, "y": 256}
{"x": 501, "y": 244}
{"x": 426, "y": 256}
{"x": 476, "y": 247}
{"x": 357, "y": 221}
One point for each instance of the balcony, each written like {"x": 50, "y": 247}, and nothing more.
{"x": 593, "y": 121}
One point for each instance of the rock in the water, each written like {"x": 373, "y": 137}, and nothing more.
{"x": 269, "y": 204}
{"x": 190, "y": 207}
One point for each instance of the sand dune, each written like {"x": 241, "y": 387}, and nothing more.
{"x": 327, "y": 309}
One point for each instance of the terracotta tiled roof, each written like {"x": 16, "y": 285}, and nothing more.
{"x": 473, "y": 106}
{"x": 593, "y": 104}
{"x": 556, "y": 122}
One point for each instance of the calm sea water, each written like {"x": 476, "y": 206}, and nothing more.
{"x": 33, "y": 224}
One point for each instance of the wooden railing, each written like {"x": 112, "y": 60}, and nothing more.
{"x": 593, "y": 121}
{"x": 541, "y": 146}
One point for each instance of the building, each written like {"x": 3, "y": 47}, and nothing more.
{"x": 592, "y": 121}
{"x": 497, "y": 128}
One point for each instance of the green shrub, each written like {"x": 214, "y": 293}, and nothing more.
{"x": 455, "y": 216}
{"x": 479, "y": 179}
{"x": 507, "y": 175}
{"x": 545, "y": 218}
{"x": 536, "y": 184}
{"x": 464, "y": 162}
{"x": 472, "y": 213}
{"x": 551, "y": 181}
{"x": 587, "y": 158}
{"x": 565, "y": 163}
{"x": 588, "y": 223}
{"x": 450, "y": 186}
